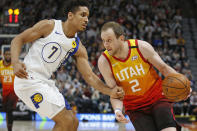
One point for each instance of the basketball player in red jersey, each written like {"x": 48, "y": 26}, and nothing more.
{"x": 7, "y": 82}
{"x": 130, "y": 64}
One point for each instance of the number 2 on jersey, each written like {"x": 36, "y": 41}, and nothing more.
{"x": 133, "y": 88}
{"x": 54, "y": 50}
{"x": 7, "y": 79}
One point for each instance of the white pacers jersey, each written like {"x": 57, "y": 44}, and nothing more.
{"x": 47, "y": 54}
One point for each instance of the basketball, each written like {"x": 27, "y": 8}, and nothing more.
{"x": 176, "y": 87}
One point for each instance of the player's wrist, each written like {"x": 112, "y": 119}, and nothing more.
{"x": 13, "y": 62}
{"x": 116, "y": 110}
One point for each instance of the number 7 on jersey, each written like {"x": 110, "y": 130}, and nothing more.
{"x": 54, "y": 50}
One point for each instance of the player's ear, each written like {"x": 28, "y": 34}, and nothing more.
{"x": 122, "y": 38}
{"x": 70, "y": 15}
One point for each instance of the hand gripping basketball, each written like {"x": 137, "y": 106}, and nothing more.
{"x": 176, "y": 87}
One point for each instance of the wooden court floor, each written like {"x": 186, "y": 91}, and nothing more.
{"x": 83, "y": 126}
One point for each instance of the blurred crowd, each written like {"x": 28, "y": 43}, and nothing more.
{"x": 157, "y": 22}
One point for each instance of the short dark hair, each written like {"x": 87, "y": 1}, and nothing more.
{"x": 117, "y": 28}
{"x": 73, "y": 5}
{"x": 6, "y": 50}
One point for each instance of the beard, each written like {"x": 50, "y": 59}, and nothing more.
{"x": 7, "y": 60}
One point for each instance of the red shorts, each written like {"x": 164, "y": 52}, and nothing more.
{"x": 155, "y": 118}
{"x": 9, "y": 101}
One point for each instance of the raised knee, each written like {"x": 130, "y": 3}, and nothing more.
{"x": 68, "y": 119}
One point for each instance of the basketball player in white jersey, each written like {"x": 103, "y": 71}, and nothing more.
{"x": 53, "y": 42}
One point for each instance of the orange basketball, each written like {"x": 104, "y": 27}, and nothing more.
{"x": 176, "y": 87}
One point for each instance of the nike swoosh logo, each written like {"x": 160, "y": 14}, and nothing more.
{"x": 57, "y": 33}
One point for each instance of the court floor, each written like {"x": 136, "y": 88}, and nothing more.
{"x": 83, "y": 126}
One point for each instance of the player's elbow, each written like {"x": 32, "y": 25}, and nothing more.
{"x": 13, "y": 41}
{"x": 17, "y": 40}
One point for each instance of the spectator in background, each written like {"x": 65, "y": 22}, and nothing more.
{"x": 193, "y": 103}
{"x": 61, "y": 74}
{"x": 181, "y": 41}
{"x": 157, "y": 41}
{"x": 7, "y": 82}
{"x": 178, "y": 16}
{"x": 95, "y": 97}
{"x": 173, "y": 41}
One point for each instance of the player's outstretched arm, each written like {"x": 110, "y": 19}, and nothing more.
{"x": 153, "y": 58}
{"x": 89, "y": 76}
{"x": 41, "y": 29}
{"x": 117, "y": 104}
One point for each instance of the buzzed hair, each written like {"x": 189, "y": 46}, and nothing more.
{"x": 6, "y": 50}
{"x": 73, "y": 5}
{"x": 117, "y": 28}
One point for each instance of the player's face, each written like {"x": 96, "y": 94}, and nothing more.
{"x": 110, "y": 42}
{"x": 7, "y": 56}
{"x": 80, "y": 18}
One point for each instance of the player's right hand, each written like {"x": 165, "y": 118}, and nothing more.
{"x": 20, "y": 70}
{"x": 120, "y": 117}
{"x": 117, "y": 93}
{"x": 188, "y": 94}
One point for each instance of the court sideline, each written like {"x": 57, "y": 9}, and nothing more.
{"x": 83, "y": 126}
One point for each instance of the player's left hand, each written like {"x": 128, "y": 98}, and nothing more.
{"x": 120, "y": 117}
{"x": 117, "y": 93}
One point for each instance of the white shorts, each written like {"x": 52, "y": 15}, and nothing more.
{"x": 41, "y": 96}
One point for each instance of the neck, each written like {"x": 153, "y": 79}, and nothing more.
{"x": 123, "y": 51}
{"x": 68, "y": 29}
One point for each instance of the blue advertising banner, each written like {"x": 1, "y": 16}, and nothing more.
{"x": 87, "y": 122}
{"x": 90, "y": 117}
{"x": 93, "y": 117}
